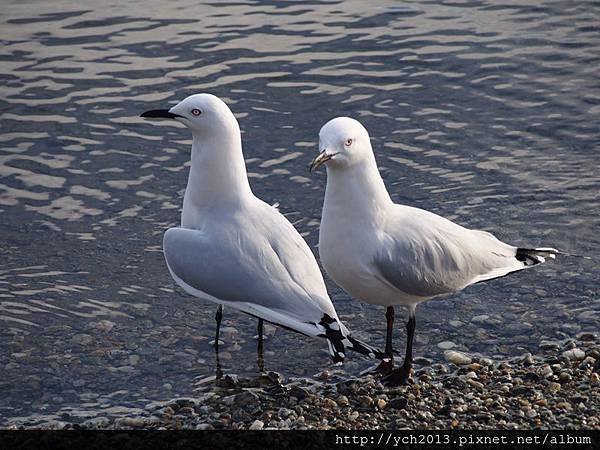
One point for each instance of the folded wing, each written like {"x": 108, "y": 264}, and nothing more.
{"x": 425, "y": 255}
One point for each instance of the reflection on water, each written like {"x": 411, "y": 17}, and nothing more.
{"x": 482, "y": 111}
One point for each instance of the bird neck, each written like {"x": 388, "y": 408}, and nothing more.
{"x": 217, "y": 175}
{"x": 357, "y": 192}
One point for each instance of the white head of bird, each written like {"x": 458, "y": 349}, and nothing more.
{"x": 343, "y": 142}
{"x": 206, "y": 115}
{"x": 218, "y": 172}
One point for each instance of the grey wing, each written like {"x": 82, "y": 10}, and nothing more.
{"x": 425, "y": 255}
{"x": 235, "y": 269}
{"x": 297, "y": 258}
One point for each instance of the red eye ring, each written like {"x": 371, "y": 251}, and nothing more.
{"x": 348, "y": 142}
{"x": 196, "y": 112}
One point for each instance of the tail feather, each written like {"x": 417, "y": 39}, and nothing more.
{"x": 338, "y": 339}
{"x": 533, "y": 256}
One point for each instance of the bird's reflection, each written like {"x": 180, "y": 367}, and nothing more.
{"x": 260, "y": 356}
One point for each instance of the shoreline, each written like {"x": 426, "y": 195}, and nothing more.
{"x": 557, "y": 389}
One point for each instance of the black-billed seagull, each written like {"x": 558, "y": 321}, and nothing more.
{"x": 389, "y": 254}
{"x": 236, "y": 250}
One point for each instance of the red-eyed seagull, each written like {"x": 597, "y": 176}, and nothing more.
{"x": 234, "y": 249}
{"x": 389, "y": 254}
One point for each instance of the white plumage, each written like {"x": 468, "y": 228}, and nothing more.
{"x": 389, "y": 254}
{"x": 234, "y": 249}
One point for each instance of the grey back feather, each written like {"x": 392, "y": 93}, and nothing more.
{"x": 257, "y": 258}
{"x": 426, "y": 255}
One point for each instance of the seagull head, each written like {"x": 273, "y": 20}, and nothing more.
{"x": 342, "y": 142}
{"x": 203, "y": 114}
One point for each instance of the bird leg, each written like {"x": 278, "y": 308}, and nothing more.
{"x": 218, "y": 318}
{"x": 402, "y": 374}
{"x": 260, "y": 355}
{"x": 218, "y": 368}
{"x": 386, "y": 365}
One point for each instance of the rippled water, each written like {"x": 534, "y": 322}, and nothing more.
{"x": 483, "y": 111}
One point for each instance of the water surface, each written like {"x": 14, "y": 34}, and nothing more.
{"x": 484, "y": 112}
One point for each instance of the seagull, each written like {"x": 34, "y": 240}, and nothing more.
{"x": 236, "y": 250}
{"x": 388, "y": 254}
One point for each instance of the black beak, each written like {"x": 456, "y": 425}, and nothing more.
{"x": 159, "y": 113}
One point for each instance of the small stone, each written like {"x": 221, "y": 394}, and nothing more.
{"x": 96, "y": 422}
{"x": 246, "y": 398}
{"x": 446, "y": 345}
{"x": 329, "y": 403}
{"x": 257, "y": 425}
{"x": 564, "y": 377}
{"x": 343, "y": 400}
{"x": 298, "y": 392}
{"x": 82, "y": 339}
{"x": 130, "y": 422}
{"x": 365, "y": 400}
{"x": 284, "y": 413}
{"x": 595, "y": 378}
{"x": 574, "y": 354}
{"x": 531, "y": 413}
{"x": 564, "y": 405}
{"x": 587, "y": 363}
{"x": 527, "y": 359}
{"x": 398, "y": 403}
{"x": 532, "y": 377}
{"x": 104, "y": 325}
{"x": 475, "y": 384}
{"x": 553, "y": 387}
{"x": 586, "y": 336}
{"x": 474, "y": 367}
{"x": 549, "y": 345}
{"x": 457, "y": 358}
{"x": 545, "y": 371}
{"x": 381, "y": 403}
{"x": 482, "y": 318}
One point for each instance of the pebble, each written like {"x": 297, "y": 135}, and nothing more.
{"x": 482, "y": 318}
{"x": 329, "y": 403}
{"x": 82, "y": 339}
{"x": 564, "y": 377}
{"x": 553, "y": 387}
{"x": 446, "y": 345}
{"x": 457, "y": 358}
{"x": 574, "y": 354}
{"x": 525, "y": 392}
{"x": 257, "y": 425}
{"x": 365, "y": 400}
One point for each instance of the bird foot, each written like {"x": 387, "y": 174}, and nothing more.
{"x": 398, "y": 377}
{"x": 384, "y": 368}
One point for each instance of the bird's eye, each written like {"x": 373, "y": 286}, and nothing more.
{"x": 196, "y": 112}
{"x": 348, "y": 142}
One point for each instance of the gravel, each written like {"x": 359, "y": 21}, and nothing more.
{"x": 556, "y": 389}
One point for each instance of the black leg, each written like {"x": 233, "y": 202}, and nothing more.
{"x": 218, "y": 318}
{"x": 260, "y": 354}
{"x": 218, "y": 370}
{"x": 387, "y": 364}
{"x": 402, "y": 374}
